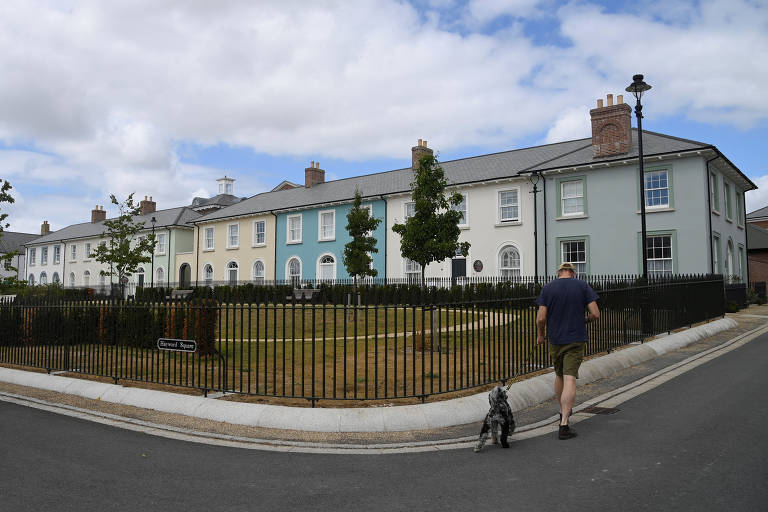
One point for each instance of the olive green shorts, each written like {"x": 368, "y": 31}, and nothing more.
{"x": 567, "y": 358}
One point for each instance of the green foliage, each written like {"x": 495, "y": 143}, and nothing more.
{"x": 432, "y": 233}
{"x": 357, "y": 252}
{"x": 732, "y": 307}
{"x": 5, "y": 197}
{"x": 120, "y": 253}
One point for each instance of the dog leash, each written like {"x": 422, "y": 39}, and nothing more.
{"x": 525, "y": 363}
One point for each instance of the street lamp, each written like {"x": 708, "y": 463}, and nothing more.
{"x": 637, "y": 88}
{"x": 534, "y": 179}
{"x": 153, "y": 220}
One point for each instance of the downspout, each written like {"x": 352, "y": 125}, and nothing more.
{"x": 168, "y": 281}
{"x": 274, "y": 270}
{"x": 745, "y": 262}
{"x": 197, "y": 257}
{"x": 64, "y": 264}
{"x": 544, "y": 187}
{"x": 709, "y": 216}
{"x": 385, "y": 238}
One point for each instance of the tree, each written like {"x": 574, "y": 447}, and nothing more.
{"x": 121, "y": 253}
{"x": 432, "y": 232}
{"x": 5, "y": 197}
{"x": 357, "y": 252}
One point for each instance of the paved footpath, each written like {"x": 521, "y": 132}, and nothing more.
{"x": 455, "y": 423}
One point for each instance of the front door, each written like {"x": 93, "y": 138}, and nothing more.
{"x": 458, "y": 268}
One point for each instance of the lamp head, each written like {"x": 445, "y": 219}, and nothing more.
{"x": 638, "y": 87}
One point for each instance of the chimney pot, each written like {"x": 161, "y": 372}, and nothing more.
{"x": 418, "y": 152}
{"x": 620, "y": 99}
{"x": 98, "y": 214}
{"x": 611, "y": 128}
{"x": 147, "y": 206}
{"x": 313, "y": 175}
{"x": 610, "y": 100}
{"x": 600, "y": 103}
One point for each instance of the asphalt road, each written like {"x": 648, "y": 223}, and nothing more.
{"x": 697, "y": 442}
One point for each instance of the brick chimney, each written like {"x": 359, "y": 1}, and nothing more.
{"x": 147, "y": 206}
{"x": 45, "y": 228}
{"x": 313, "y": 175}
{"x": 98, "y": 214}
{"x": 611, "y": 127}
{"x": 419, "y": 151}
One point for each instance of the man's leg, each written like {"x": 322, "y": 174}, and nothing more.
{"x": 566, "y": 396}
{"x": 558, "y": 387}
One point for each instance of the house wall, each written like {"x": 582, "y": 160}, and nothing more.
{"x": 19, "y": 263}
{"x": 731, "y": 229}
{"x": 758, "y": 265}
{"x": 612, "y": 224}
{"x": 311, "y": 249}
{"x": 50, "y": 268}
{"x": 245, "y": 255}
{"x": 483, "y": 230}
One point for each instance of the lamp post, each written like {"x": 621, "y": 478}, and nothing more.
{"x": 534, "y": 179}
{"x": 153, "y": 220}
{"x": 637, "y": 88}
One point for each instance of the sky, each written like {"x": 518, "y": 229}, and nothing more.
{"x": 162, "y": 97}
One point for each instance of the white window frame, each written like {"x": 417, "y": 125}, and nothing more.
{"x": 288, "y": 275}
{"x": 161, "y": 247}
{"x": 87, "y": 254}
{"x": 32, "y": 256}
{"x": 256, "y": 224}
{"x": 509, "y": 271}
{"x": 646, "y": 189}
{"x": 233, "y": 240}
{"x": 411, "y": 270}
{"x": 579, "y": 264}
{"x": 206, "y": 280}
{"x": 288, "y": 238}
{"x": 728, "y": 203}
{"x": 465, "y": 211}
{"x": 55, "y": 278}
{"x": 563, "y": 197}
{"x": 321, "y": 266}
{"x": 212, "y": 239}
{"x": 43, "y": 278}
{"x": 160, "y": 276}
{"x": 500, "y": 206}
{"x": 73, "y": 253}
{"x": 671, "y": 259}
{"x": 229, "y": 269}
{"x": 254, "y": 276}
{"x": 407, "y": 206}
{"x": 72, "y": 280}
{"x": 31, "y": 280}
{"x": 320, "y": 234}
{"x": 56, "y": 254}
{"x": 44, "y": 256}
{"x": 87, "y": 278}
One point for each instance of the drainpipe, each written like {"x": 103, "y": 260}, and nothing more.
{"x": 168, "y": 278}
{"x": 64, "y": 264}
{"x": 385, "y": 238}
{"x": 274, "y": 270}
{"x": 745, "y": 263}
{"x": 197, "y": 257}
{"x": 709, "y": 216}
{"x": 544, "y": 187}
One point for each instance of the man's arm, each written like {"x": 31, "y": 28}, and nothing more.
{"x": 541, "y": 324}
{"x": 593, "y": 312}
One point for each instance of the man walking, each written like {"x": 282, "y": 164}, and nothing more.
{"x": 561, "y": 313}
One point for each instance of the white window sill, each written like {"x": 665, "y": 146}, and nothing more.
{"x": 209, "y": 250}
{"x": 160, "y": 254}
{"x": 567, "y": 217}
{"x": 508, "y": 223}
{"x": 463, "y": 226}
{"x": 326, "y": 239}
{"x": 259, "y": 245}
{"x": 729, "y": 220}
{"x": 654, "y": 210}
{"x": 741, "y": 226}
{"x": 233, "y": 248}
{"x": 716, "y": 212}
{"x": 294, "y": 242}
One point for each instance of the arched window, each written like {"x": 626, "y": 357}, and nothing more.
{"x": 72, "y": 279}
{"x": 86, "y": 278}
{"x": 160, "y": 277}
{"x": 294, "y": 269}
{"x": 208, "y": 274}
{"x": 232, "y": 271}
{"x": 55, "y": 278}
{"x": 31, "y": 279}
{"x": 43, "y": 278}
{"x": 729, "y": 270}
{"x": 140, "y": 276}
{"x": 327, "y": 267}
{"x": 258, "y": 272}
{"x": 509, "y": 262}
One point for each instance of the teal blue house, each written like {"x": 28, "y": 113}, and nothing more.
{"x": 310, "y": 242}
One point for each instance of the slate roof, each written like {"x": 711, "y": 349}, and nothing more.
{"x": 11, "y": 241}
{"x": 759, "y": 213}
{"x": 757, "y": 237}
{"x": 182, "y": 216}
{"x": 220, "y": 200}
{"x": 506, "y": 164}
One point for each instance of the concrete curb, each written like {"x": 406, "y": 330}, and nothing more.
{"x": 435, "y": 415}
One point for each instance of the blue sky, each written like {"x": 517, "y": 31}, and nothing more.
{"x": 161, "y": 97}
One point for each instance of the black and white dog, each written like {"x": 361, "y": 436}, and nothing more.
{"x": 499, "y": 420}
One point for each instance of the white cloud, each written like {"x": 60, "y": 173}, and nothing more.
{"x": 756, "y": 199}
{"x": 105, "y": 90}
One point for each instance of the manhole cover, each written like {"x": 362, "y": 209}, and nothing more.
{"x": 600, "y": 410}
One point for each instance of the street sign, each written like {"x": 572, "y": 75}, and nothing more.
{"x": 176, "y": 345}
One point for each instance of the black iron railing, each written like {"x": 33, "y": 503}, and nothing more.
{"x": 318, "y": 350}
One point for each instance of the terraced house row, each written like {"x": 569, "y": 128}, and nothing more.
{"x": 586, "y": 211}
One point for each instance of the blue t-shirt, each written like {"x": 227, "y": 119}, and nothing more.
{"x": 565, "y": 300}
